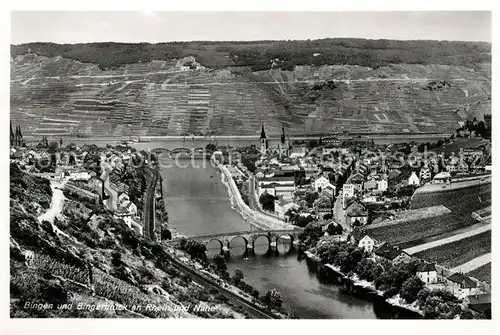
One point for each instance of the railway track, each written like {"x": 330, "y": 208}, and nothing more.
{"x": 149, "y": 211}
{"x": 254, "y": 310}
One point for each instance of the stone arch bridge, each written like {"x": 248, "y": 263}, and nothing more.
{"x": 250, "y": 237}
{"x": 182, "y": 152}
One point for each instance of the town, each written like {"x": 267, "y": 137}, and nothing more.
{"x": 358, "y": 192}
{"x": 350, "y": 192}
{"x": 251, "y": 165}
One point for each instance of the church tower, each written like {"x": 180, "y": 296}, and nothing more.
{"x": 20, "y": 137}
{"x": 263, "y": 141}
{"x": 12, "y": 138}
{"x": 16, "y": 138}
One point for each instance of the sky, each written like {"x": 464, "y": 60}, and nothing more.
{"x": 132, "y": 27}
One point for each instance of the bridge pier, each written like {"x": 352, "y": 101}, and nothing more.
{"x": 225, "y": 252}
{"x": 273, "y": 248}
{"x": 249, "y": 251}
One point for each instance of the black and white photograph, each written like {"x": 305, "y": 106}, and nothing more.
{"x": 250, "y": 165}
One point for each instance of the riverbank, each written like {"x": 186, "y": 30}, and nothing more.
{"x": 253, "y": 217}
{"x": 362, "y": 288}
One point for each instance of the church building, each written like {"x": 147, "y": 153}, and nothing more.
{"x": 283, "y": 148}
{"x": 16, "y": 139}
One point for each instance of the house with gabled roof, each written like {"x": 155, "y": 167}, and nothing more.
{"x": 393, "y": 254}
{"x": 361, "y": 238}
{"x": 282, "y": 206}
{"x": 427, "y": 272}
{"x": 321, "y": 183}
{"x": 461, "y": 285}
{"x": 370, "y": 185}
{"x": 323, "y": 205}
{"x": 355, "y": 212}
{"x": 413, "y": 179}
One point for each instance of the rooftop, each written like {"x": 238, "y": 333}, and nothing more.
{"x": 388, "y": 251}
{"x": 463, "y": 280}
{"x": 480, "y": 302}
{"x": 356, "y": 209}
{"x": 426, "y": 267}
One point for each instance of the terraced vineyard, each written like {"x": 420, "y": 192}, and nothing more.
{"x": 58, "y": 96}
{"x": 482, "y": 273}
{"x": 462, "y": 203}
{"x": 459, "y": 252}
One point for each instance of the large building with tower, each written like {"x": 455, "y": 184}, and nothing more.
{"x": 283, "y": 148}
{"x": 16, "y": 138}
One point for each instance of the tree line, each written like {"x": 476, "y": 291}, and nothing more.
{"x": 263, "y": 55}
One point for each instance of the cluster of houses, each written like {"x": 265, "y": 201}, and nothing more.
{"x": 65, "y": 170}
{"x": 364, "y": 177}
{"x": 108, "y": 186}
{"x": 459, "y": 284}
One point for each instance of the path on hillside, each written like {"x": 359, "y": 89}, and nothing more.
{"x": 473, "y": 264}
{"x": 460, "y": 236}
{"x": 56, "y": 206}
{"x": 271, "y": 74}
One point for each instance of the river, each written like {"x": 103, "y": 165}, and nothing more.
{"x": 197, "y": 203}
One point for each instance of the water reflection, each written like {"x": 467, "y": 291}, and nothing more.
{"x": 261, "y": 246}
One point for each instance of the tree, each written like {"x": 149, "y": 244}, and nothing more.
{"x": 238, "y": 276}
{"x": 311, "y": 197}
{"x": 273, "y": 299}
{"x": 302, "y": 221}
{"x": 196, "y": 249}
{"x": 166, "y": 234}
{"x": 334, "y": 229}
{"x": 211, "y": 147}
{"x": 311, "y": 233}
{"x": 267, "y": 201}
{"x": 410, "y": 289}
{"x": 466, "y": 315}
{"x": 53, "y": 147}
{"x": 220, "y": 262}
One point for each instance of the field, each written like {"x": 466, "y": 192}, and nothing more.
{"x": 462, "y": 203}
{"x": 459, "y": 252}
{"x": 411, "y": 233}
{"x": 482, "y": 273}
{"x": 412, "y": 215}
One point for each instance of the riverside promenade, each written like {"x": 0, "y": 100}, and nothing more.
{"x": 254, "y": 217}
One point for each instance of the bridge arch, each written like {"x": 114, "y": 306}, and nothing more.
{"x": 180, "y": 150}
{"x": 221, "y": 244}
{"x": 257, "y": 236}
{"x": 238, "y": 237}
{"x": 160, "y": 150}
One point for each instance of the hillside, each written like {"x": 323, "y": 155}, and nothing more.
{"x": 49, "y": 263}
{"x": 230, "y": 88}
